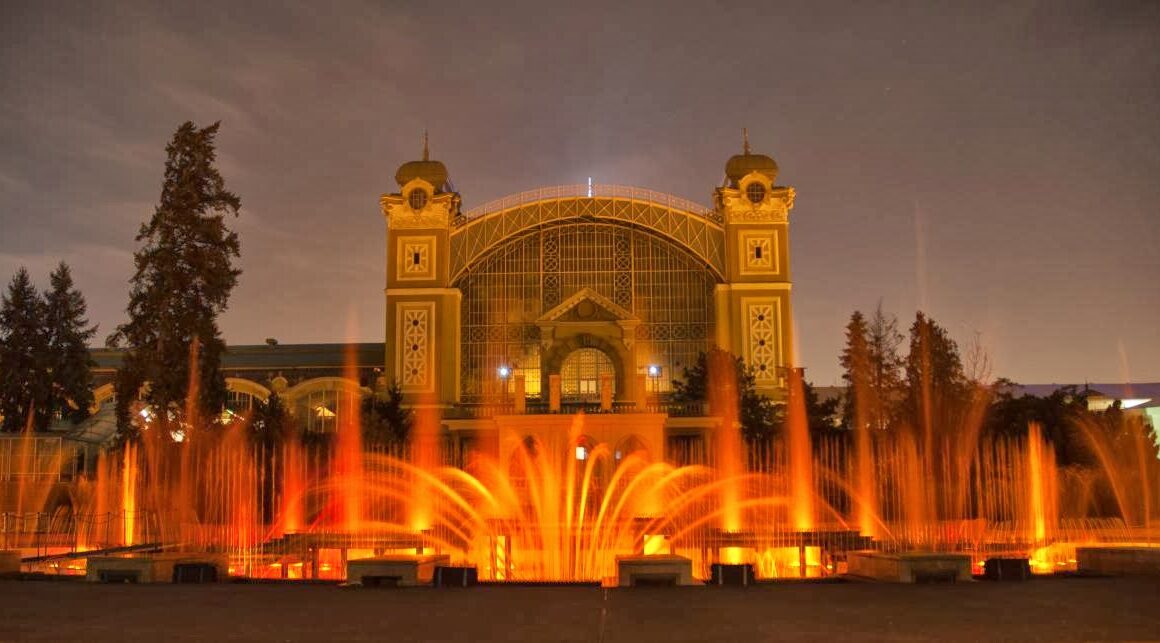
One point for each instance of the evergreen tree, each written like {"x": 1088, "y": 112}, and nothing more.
{"x": 873, "y": 368}
{"x": 759, "y": 416}
{"x": 183, "y": 279}
{"x": 67, "y": 335}
{"x": 937, "y": 389}
{"x": 855, "y": 359}
{"x": 385, "y": 421}
{"x": 271, "y": 422}
{"x": 24, "y": 378}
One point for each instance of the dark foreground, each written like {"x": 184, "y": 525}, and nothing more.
{"x": 1045, "y": 609}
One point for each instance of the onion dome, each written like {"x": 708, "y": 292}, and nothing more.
{"x": 741, "y": 164}
{"x": 433, "y": 172}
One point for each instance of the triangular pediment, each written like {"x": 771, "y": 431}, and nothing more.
{"x": 587, "y": 305}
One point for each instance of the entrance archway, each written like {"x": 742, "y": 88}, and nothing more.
{"x": 582, "y": 371}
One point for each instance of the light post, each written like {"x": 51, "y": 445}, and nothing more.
{"x": 654, "y": 374}
{"x": 504, "y": 372}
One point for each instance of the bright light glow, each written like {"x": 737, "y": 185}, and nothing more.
{"x": 581, "y": 453}
{"x": 654, "y": 370}
{"x": 504, "y": 372}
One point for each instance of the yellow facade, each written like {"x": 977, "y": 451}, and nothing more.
{"x": 517, "y": 291}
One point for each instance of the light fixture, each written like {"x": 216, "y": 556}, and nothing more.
{"x": 654, "y": 370}
{"x": 503, "y": 372}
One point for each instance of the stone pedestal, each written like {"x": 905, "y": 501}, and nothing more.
{"x": 395, "y": 570}
{"x": 554, "y": 393}
{"x": 521, "y": 396}
{"x": 1119, "y": 560}
{"x": 633, "y": 571}
{"x": 9, "y": 562}
{"x": 910, "y": 567}
{"x": 154, "y": 568}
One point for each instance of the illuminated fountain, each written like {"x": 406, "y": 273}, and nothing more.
{"x": 555, "y": 503}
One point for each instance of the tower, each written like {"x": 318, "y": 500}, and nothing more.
{"x": 753, "y": 305}
{"x": 422, "y": 310}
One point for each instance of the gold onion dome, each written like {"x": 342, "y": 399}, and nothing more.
{"x": 433, "y": 172}
{"x": 741, "y": 164}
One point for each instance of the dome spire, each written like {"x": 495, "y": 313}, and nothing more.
{"x": 745, "y": 140}
{"x": 426, "y": 154}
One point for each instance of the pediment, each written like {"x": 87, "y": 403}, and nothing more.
{"x": 587, "y": 305}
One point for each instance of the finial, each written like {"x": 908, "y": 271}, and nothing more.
{"x": 425, "y": 153}
{"x": 745, "y": 139}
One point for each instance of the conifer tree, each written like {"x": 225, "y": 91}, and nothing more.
{"x": 24, "y": 380}
{"x": 183, "y": 279}
{"x": 67, "y": 336}
{"x": 937, "y": 389}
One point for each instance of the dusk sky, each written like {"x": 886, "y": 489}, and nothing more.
{"x": 996, "y": 164}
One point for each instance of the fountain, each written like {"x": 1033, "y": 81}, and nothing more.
{"x": 554, "y": 500}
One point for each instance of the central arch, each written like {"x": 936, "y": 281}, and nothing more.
{"x": 589, "y": 348}
{"x": 696, "y": 229}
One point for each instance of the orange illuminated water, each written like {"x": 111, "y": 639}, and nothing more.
{"x": 564, "y": 506}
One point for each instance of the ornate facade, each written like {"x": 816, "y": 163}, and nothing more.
{"x": 582, "y": 293}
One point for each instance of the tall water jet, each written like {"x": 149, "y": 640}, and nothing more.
{"x": 129, "y": 493}
{"x": 722, "y": 395}
{"x": 348, "y": 458}
{"x": 425, "y": 457}
{"x": 801, "y": 463}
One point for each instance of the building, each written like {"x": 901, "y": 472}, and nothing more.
{"x": 546, "y": 303}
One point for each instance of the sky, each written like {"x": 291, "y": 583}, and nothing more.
{"x": 996, "y": 164}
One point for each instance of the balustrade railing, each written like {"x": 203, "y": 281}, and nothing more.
{"x": 581, "y": 190}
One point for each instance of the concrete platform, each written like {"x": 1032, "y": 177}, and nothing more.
{"x": 154, "y": 568}
{"x": 654, "y": 570}
{"x": 909, "y": 567}
{"x": 1118, "y": 560}
{"x": 9, "y": 562}
{"x": 395, "y": 570}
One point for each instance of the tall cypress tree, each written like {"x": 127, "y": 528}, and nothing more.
{"x": 183, "y": 279}
{"x": 24, "y": 381}
{"x": 68, "y": 334}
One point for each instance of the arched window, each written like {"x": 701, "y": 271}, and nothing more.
{"x": 581, "y": 372}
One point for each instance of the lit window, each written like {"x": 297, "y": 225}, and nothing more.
{"x": 581, "y": 452}
{"x": 417, "y": 198}
{"x": 755, "y": 192}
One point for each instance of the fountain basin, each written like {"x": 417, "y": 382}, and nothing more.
{"x": 1118, "y": 560}
{"x": 665, "y": 570}
{"x": 9, "y": 562}
{"x": 164, "y": 567}
{"x": 909, "y": 567}
{"x": 395, "y": 570}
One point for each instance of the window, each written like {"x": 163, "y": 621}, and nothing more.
{"x": 755, "y": 192}
{"x": 417, "y": 198}
{"x": 580, "y": 373}
{"x": 756, "y": 252}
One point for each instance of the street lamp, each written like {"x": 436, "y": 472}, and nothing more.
{"x": 504, "y": 372}
{"x": 654, "y": 374}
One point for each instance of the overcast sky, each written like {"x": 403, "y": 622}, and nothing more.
{"x": 996, "y": 164}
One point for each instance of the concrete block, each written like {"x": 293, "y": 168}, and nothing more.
{"x": 910, "y": 567}
{"x": 395, "y": 570}
{"x": 150, "y": 568}
{"x": 1118, "y": 560}
{"x": 654, "y": 570}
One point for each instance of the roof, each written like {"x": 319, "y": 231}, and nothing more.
{"x": 277, "y": 356}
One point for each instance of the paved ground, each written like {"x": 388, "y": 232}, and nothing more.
{"x": 1043, "y": 609}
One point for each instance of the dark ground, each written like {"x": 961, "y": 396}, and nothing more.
{"x": 1043, "y": 609}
